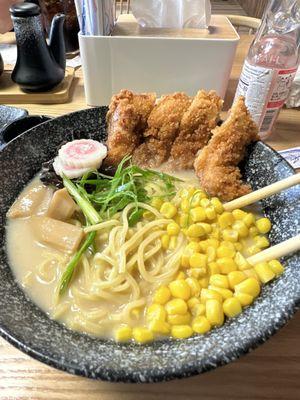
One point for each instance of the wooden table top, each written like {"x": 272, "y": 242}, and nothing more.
{"x": 271, "y": 372}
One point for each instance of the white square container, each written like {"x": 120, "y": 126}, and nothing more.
{"x": 157, "y": 60}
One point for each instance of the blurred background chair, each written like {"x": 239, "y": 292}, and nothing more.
{"x": 243, "y": 23}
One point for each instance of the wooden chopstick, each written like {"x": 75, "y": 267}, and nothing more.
{"x": 262, "y": 193}
{"x": 279, "y": 250}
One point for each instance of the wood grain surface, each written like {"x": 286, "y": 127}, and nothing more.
{"x": 10, "y": 92}
{"x": 271, "y": 372}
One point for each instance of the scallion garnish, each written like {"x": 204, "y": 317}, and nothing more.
{"x": 101, "y": 196}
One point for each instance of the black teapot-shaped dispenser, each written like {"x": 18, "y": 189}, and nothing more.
{"x": 39, "y": 66}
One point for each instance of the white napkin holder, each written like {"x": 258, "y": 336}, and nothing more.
{"x": 160, "y": 60}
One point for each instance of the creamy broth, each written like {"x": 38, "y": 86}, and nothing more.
{"x": 87, "y": 306}
{"x": 38, "y": 269}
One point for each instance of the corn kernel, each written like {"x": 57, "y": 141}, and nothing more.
{"x": 235, "y": 277}
{"x": 206, "y": 227}
{"x": 185, "y": 205}
{"x": 158, "y": 326}
{"x": 250, "y": 273}
{"x": 225, "y": 293}
{"x": 198, "y": 214}
{"x": 219, "y": 280}
{"x": 253, "y": 231}
{"x": 195, "y": 230}
{"x": 173, "y": 229}
{"x": 225, "y": 219}
{"x": 156, "y": 203}
{"x": 241, "y": 228}
{"x": 264, "y": 272}
{"x": 204, "y": 282}
{"x": 181, "y": 275}
{"x": 218, "y": 206}
{"x": 180, "y": 289}
{"x": 213, "y": 268}
{"x": 162, "y": 295}
{"x": 238, "y": 246}
{"x": 192, "y": 302}
{"x": 194, "y": 286}
{"x": 244, "y": 298}
{"x": 226, "y": 265}
{"x": 248, "y": 286}
{"x": 276, "y": 267}
{"x": 123, "y": 334}
{"x": 211, "y": 254}
{"x": 176, "y": 306}
{"x": 187, "y": 192}
{"x": 185, "y": 260}
{"x": 193, "y": 239}
{"x": 212, "y": 242}
{"x": 193, "y": 246}
{"x": 230, "y": 245}
{"x": 263, "y": 225}
{"x": 204, "y": 245}
{"x": 168, "y": 210}
{"x": 172, "y": 242}
{"x": 224, "y": 251}
{"x": 179, "y": 319}
{"x": 216, "y": 233}
{"x": 181, "y": 331}
{"x": 198, "y": 260}
{"x": 251, "y": 250}
{"x": 204, "y": 202}
{"x": 249, "y": 219}
{"x": 183, "y": 220}
{"x": 232, "y": 307}
{"x": 241, "y": 262}
{"x": 210, "y": 213}
{"x": 155, "y": 311}
{"x": 230, "y": 235}
{"x": 198, "y": 309}
{"x": 261, "y": 241}
{"x": 207, "y": 294}
{"x": 165, "y": 240}
{"x": 201, "y": 325}
{"x": 142, "y": 335}
{"x": 196, "y": 198}
{"x": 197, "y": 272}
{"x": 214, "y": 312}
{"x": 238, "y": 214}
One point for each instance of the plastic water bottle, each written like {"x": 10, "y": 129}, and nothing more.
{"x": 271, "y": 63}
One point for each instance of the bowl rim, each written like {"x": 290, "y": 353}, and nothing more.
{"x": 157, "y": 376}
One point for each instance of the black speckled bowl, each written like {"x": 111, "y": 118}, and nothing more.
{"x": 29, "y": 329}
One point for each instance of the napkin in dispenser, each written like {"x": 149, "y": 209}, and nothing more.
{"x": 172, "y": 13}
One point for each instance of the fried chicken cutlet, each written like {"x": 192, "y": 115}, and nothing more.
{"x": 127, "y": 119}
{"x": 217, "y": 164}
{"x": 163, "y": 127}
{"x": 195, "y": 128}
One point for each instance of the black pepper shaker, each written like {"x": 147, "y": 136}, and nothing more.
{"x": 39, "y": 67}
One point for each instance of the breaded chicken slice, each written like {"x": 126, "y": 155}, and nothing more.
{"x": 195, "y": 128}
{"x": 163, "y": 127}
{"x": 217, "y": 164}
{"x": 126, "y": 119}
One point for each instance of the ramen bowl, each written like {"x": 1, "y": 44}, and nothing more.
{"x": 28, "y": 328}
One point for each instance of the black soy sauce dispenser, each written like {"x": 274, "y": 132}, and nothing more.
{"x": 39, "y": 66}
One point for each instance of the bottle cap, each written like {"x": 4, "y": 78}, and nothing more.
{"x": 25, "y": 10}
